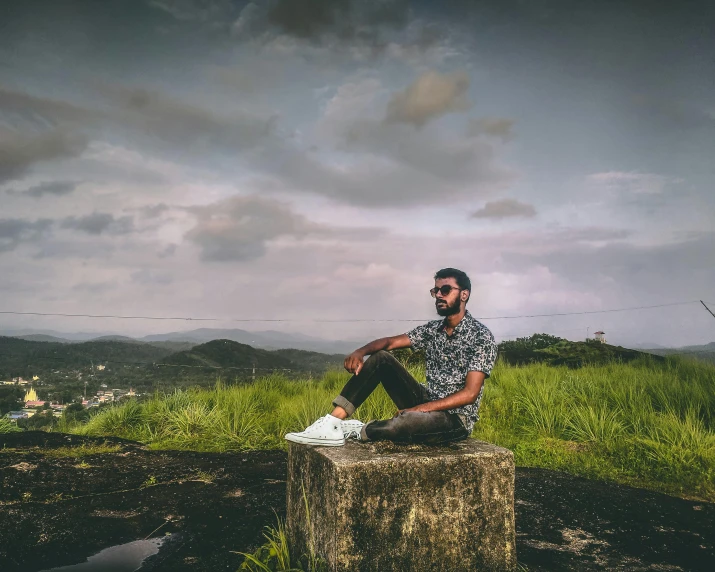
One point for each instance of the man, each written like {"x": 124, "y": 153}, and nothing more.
{"x": 460, "y": 353}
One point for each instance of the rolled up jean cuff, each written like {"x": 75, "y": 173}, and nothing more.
{"x": 341, "y": 401}
{"x": 363, "y": 433}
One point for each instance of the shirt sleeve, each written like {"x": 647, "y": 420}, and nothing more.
{"x": 419, "y": 336}
{"x": 484, "y": 354}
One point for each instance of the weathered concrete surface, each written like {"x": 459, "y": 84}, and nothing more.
{"x": 385, "y": 506}
{"x": 563, "y": 523}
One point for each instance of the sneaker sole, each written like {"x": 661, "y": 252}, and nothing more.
{"x": 309, "y": 441}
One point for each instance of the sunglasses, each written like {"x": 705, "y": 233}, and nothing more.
{"x": 444, "y": 290}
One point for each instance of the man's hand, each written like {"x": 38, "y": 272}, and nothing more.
{"x": 422, "y": 407}
{"x": 353, "y": 363}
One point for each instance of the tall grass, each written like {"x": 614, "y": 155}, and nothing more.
{"x": 643, "y": 423}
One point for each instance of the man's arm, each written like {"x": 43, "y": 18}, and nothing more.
{"x": 353, "y": 363}
{"x": 465, "y": 396}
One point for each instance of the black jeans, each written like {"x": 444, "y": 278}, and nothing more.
{"x": 433, "y": 427}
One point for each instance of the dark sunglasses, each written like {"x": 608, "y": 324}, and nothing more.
{"x": 444, "y": 290}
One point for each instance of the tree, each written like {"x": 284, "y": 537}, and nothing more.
{"x": 76, "y": 412}
{"x": 10, "y": 398}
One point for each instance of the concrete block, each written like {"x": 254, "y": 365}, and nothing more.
{"x": 393, "y": 507}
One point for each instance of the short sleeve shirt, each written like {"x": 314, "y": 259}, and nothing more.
{"x": 471, "y": 347}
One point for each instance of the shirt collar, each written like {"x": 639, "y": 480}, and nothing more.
{"x": 458, "y": 327}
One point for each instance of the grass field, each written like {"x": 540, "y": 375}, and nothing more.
{"x": 646, "y": 424}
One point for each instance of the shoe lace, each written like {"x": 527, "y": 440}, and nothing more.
{"x": 314, "y": 425}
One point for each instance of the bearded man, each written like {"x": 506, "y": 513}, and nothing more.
{"x": 460, "y": 354}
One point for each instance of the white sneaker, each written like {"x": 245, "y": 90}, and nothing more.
{"x": 325, "y": 431}
{"x": 351, "y": 428}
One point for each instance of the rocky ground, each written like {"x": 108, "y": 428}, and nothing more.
{"x": 64, "y": 498}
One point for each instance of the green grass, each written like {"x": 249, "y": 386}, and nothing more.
{"x": 643, "y": 423}
{"x": 84, "y": 450}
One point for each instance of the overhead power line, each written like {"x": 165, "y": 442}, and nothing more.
{"x": 345, "y": 320}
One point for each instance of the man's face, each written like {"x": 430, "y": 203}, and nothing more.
{"x": 452, "y": 302}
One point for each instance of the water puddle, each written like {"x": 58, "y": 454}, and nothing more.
{"x": 122, "y": 558}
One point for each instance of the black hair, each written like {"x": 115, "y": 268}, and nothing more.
{"x": 462, "y": 279}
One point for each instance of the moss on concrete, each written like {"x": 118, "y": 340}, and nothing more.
{"x": 385, "y": 506}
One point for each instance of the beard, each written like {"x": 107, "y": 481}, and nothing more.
{"x": 449, "y": 309}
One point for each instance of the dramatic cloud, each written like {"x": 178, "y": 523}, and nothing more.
{"x": 504, "y": 209}
{"x": 238, "y": 228}
{"x": 13, "y": 231}
{"x": 20, "y": 151}
{"x": 39, "y": 110}
{"x": 360, "y": 21}
{"x": 198, "y": 10}
{"x": 638, "y": 183}
{"x": 99, "y": 223}
{"x": 431, "y": 95}
{"x": 337, "y": 150}
{"x": 56, "y": 188}
{"x": 498, "y": 127}
{"x": 184, "y": 125}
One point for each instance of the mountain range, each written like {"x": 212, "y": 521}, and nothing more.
{"x": 268, "y": 340}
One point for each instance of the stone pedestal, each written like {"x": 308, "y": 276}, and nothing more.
{"x": 382, "y": 506}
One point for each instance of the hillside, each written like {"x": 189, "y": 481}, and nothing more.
{"x": 227, "y": 353}
{"x": 27, "y": 358}
{"x": 542, "y": 348}
{"x": 704, "y": 352}
{"x": 230, "y": 354}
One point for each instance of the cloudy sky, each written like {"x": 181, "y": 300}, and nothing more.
{"x": 313, "y": 160}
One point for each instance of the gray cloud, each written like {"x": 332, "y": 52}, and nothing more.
{"x": 20, "y": 151}
{"x": 14, "y": 231}
{"x": 148, "y": 276}
{"x": 238, "y": 228}
{"x": 360, "y": 21}
{"x": 430, "y": 96}
{"x": 39, "y": 110}
{"x": 195, "y": 10}
{"x": 498, "y": 127}
{"x": 505, "y": 208}
{"x": 57, "y": 188}
{"x": 674, "y": 271}
{"x": 184, "y": 125}
{"x": 94, "y": 287}
{"x": 154, "y": 211}
{"x": 99, "y": 223}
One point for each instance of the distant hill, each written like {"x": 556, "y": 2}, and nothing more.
{"x": 25, "y": 357}
{"x": 704, "y": 352}
{"x": 542, "y": 348}
{"x": 44, "y": 338}
{"x": 230, "y": 354}
{"x": 268, "y": 340}
{"x": 150, "y": 364}
{"x": 227, "y": 353}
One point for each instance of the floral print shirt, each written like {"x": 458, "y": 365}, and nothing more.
{"x": 471, "y": 347}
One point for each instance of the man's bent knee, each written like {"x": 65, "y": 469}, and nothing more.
{"x": 382, "y": 356}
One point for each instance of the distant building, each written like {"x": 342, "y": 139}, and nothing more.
{"x": 31, "y": 395}
{"x": 15, "y": 415}
{"x": 600, "y": 336}
{"x": 36, "y": 403}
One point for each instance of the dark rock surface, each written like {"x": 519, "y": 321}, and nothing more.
{"x": 58, "y": 509}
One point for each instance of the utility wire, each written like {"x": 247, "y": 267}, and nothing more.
{"x": 189, "y": 319}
